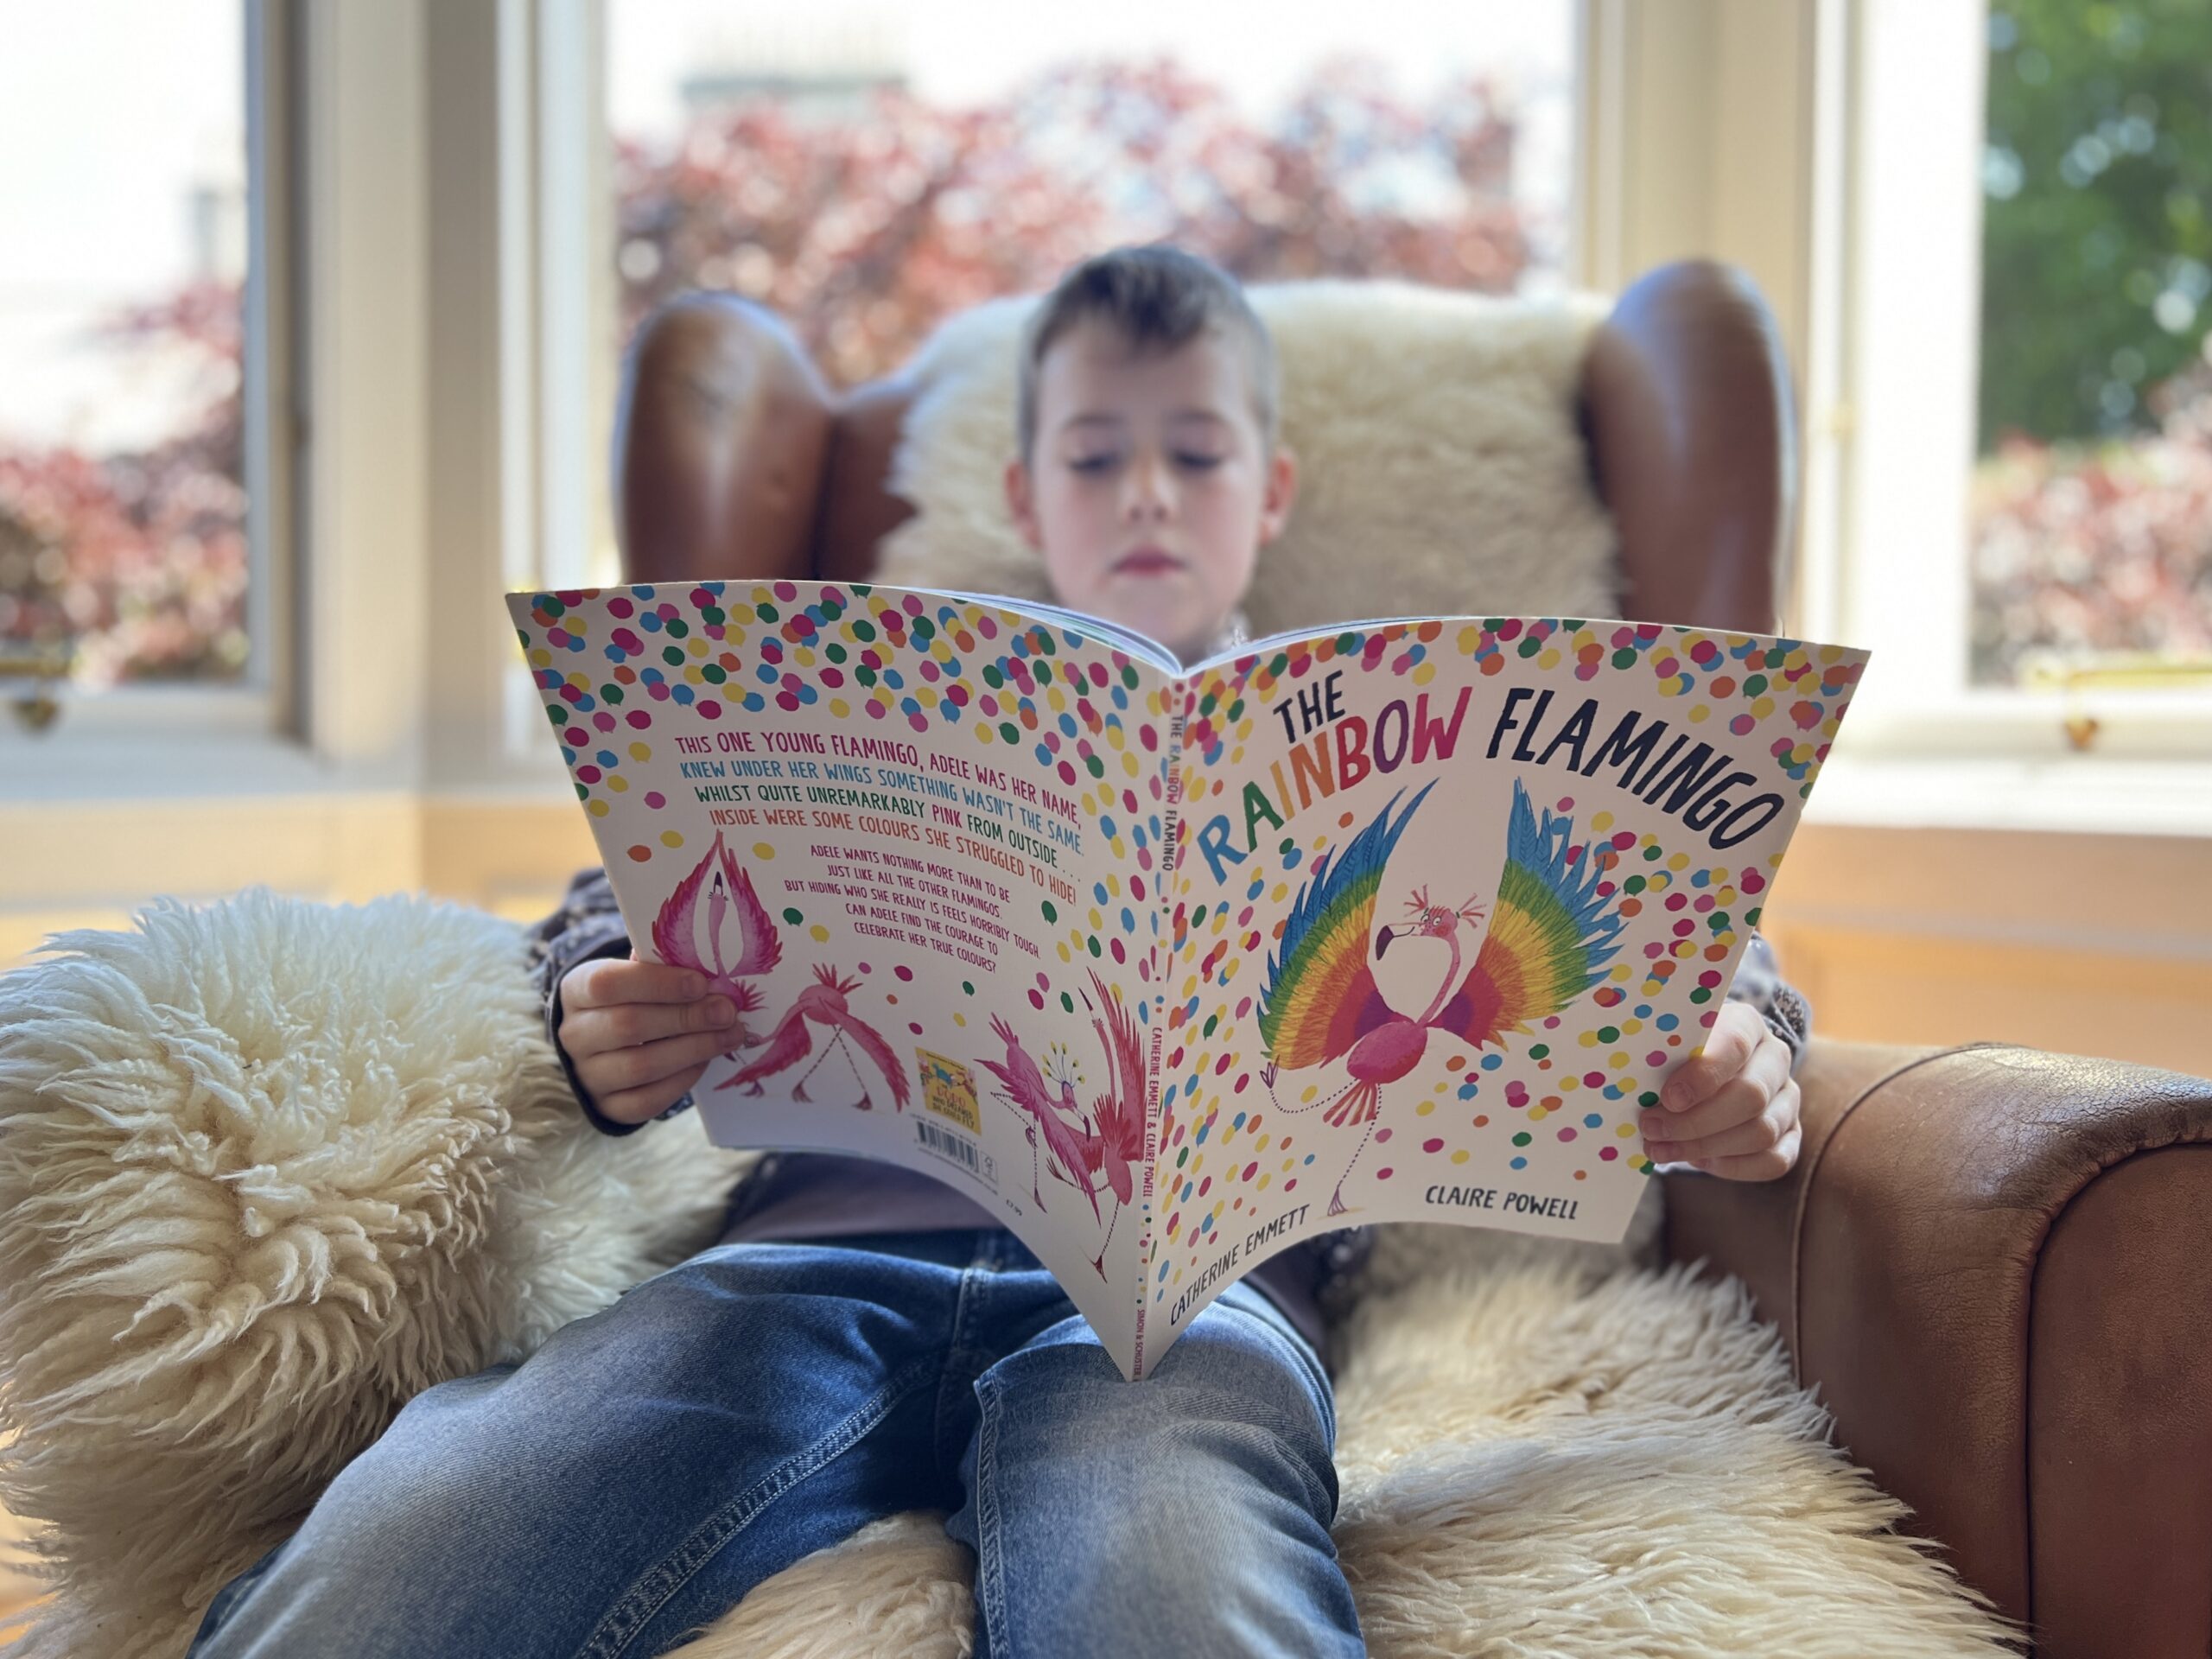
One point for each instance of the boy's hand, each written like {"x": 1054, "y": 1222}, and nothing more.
{"x": 1731, "y": 1110}
{"x": 640, "y": 1033}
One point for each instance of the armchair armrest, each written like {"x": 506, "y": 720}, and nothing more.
{"x": 1692, "y": 439}
{"x": 721, "y": 439}
{"x": 1992, "y": 1263}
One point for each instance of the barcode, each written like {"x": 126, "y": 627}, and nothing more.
{"x": 949, "y": 1145}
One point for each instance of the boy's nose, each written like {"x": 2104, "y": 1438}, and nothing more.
{"x": 1151, "y": 494}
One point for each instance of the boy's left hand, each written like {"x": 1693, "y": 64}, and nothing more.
{"x": 1733, "y": 1109}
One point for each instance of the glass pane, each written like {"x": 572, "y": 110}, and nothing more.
{"x": 123, "y": 186}
{"x": 869, "y": 173}
{"x": 2092, "y": 533}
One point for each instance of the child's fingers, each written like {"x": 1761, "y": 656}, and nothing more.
{"x": 625, "y": 1070}
{"x": 1763, "y": 1131}
{"x": 603, "y": 979}
{"x": 1767, "y": 1165}
{"x": 638, "y": 1105}
{"x": 1737, "y": 1100}
{"x": 599, "y": 1029}
{"x": 1731, "y": 1042}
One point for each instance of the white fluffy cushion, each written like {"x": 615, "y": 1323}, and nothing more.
{"x": 1437, "y": 444}
{"x": 269, "y": 1168}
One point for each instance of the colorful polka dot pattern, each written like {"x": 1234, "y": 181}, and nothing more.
{"x": 1230, "y": 1161}
{"x": 623, "y": 671}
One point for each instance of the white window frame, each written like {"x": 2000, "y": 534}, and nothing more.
{"x": 1748, "y": 131}
{"x": 421, "y": 402}
{"x": 1898, "y": 418}
{"x": 558, "y": 325}
{"x": 131, "y": 718}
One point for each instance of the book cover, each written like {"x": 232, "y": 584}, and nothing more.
{"x": 1172, "y": 969}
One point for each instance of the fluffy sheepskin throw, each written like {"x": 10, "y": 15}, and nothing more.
{"x": 1436, "y": 437}
{"x": 269, "y": 1168}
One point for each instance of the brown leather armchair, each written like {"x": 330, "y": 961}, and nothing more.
{"x": 1989, "y": 1260}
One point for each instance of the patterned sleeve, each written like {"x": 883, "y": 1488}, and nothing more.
{"x": 1759, "y": 982}
{"x": 586, "y": 926}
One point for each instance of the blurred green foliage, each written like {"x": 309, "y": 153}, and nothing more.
{"x": 2097, "y": 192}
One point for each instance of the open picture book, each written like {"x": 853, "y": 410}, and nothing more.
{"x": 1171, "y": 967}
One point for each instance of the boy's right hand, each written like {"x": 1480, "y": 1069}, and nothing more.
{"x": 640, "y": 1033}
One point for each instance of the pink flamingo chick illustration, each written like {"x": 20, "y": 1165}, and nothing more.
{"x": 1025, "y": 1089}
{"x": 823, "y": 1003}
{"x": 759, "y": 947}
{"x": 1549, "y": 937}
{"x": 1112, "y": 1151}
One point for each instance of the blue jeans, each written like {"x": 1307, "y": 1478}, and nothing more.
{"x": 628, "y": 1483}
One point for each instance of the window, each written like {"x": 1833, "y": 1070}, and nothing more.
{"x": 2022, "y": 397}
{"x": 128, "y": 546}
{"x": 2092, "y": 503}
{"x": 869, "y": 173}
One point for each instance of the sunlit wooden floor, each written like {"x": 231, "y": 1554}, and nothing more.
{"x": 16, "y": 1591}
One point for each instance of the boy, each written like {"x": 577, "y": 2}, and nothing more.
{"x": 866, "y": 1340}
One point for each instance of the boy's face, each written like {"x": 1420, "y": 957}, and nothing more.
{"x": 1149, "y": 490}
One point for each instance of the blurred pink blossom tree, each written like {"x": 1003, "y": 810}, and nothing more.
{"x": 868, "y": 233}
{"x": 865, "y": 234}
{"x": 2080, "y": 547}
{"x": 140, "y": 557}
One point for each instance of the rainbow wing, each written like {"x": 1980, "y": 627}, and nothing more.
{"x": 1550, "y": 933}
{"x": 1321, "y": 996}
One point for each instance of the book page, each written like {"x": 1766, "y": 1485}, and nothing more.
{"x": 917, "y": 837}
{"x": 1098, "y": 629}
{"x": 1450, "y": 901}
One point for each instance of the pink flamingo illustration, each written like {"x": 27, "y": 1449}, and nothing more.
{"x": 1116, "y": 1146}
{"x": 1099, "y": 1151}
{"x": 823, "y": 1003}
{"x": 759, "y": 947}
{"x": 1549, "y": 938}
{"x": 1024, "y": 1088}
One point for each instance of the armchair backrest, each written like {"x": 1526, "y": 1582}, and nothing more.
{"x": 735, "y": 459}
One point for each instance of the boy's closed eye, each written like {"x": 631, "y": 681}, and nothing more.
{"x": 1107, "y": 461}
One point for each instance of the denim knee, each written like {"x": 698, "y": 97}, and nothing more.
{"x": 1239, "y": 1397}
{"x": 1189, "y": 1512}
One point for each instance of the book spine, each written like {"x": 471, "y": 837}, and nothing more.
{"x": 1171, "y": 819}
{"x": 1171, "y": 831}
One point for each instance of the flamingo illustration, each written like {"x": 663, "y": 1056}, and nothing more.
{"x": 1097, "y": 1151}
{"x": 1115, "y": 1145}
{"x": 1548, "y": 938}
{"x": 759, "y": 947}
{"x": 1023, "y": 1088}
{"x": 824, "y": 1004}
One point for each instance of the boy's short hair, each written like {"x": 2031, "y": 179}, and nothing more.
{"x": 1158, "y": 298}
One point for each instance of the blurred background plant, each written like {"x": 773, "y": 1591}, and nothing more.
{"x": 866, "y": 233}
{"x": 139, "y": 556}
{"x": 2092, "y": 514}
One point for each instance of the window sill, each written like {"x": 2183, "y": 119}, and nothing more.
{"x": 72, "y": 764}
{"x": 78, "y": 766}
{"x": 2071, "y": 794}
